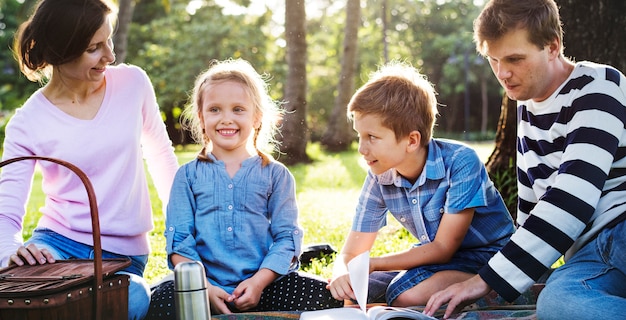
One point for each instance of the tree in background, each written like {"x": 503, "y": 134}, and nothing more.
{"x": 338, "y": 135}
{"x": 501, "y": 163}
{"x": 172, "y": 45}
{"x": 294, "y": 131}
{"x": 175, "y": 45}
{"x": 124, "y": 19}
{"x": 595, "y": 31}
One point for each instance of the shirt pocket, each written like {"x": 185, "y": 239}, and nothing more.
{"x": 206, "y": 196}
{"x": 257, "y": 195}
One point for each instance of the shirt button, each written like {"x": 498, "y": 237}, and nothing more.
{"x": 414, "y": 201}
{"x": 171, "y": 228}
{"x": 296, "y": 232}
{"x": 230, "y": 186}
{"x": 441, "y": 210}
{"x": 229, "y": 229}
{"x": 403, "y": 219}
{"x": 230, "y": 207}
{"x": 423, "y": 237}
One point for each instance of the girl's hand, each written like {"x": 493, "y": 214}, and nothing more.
{"x": 340, "y": 288}
{"x": 247, "y": 294}
{"x": 31, "y": 255}
{"x": 217, "y": 300}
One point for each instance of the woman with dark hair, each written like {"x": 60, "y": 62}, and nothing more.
{"x": 105, "y": 120}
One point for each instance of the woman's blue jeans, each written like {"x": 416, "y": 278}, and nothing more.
{"x": 64, "y": 248}
{"x": 591, "y": 284}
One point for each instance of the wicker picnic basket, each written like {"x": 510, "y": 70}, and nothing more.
{"x": 66, "y": 289}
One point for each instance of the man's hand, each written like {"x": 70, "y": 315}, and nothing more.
{"x": 457, "y": 296}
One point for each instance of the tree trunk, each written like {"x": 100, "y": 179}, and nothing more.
{"x": 338, "y": 135}
{"x": 484, "y": 98}
{"x": 595, "y": 31}
{"x": 501, "y": 163}
{"x": 294, "y": 132}
{"x": 120, "y": 38}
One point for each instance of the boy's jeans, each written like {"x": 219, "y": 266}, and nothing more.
{"x": 64, "y": 248}
{"x": 592, "y": 283}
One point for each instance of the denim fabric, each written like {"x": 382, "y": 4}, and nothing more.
{"x": 64, "y": 248}
{"x": 377, "y": 287}
{"x": 469, "y": 262}
{"x": 591, "y": 284}
{"x": 386, "y": 286}
{"x": 234, "y": 226}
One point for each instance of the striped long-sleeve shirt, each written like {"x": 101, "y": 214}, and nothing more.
{"x": 571, "y": 166}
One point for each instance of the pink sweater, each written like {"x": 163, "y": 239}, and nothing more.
{"x": 110, "y": 149}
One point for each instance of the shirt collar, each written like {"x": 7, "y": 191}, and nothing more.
{"x": 433, "y": 170}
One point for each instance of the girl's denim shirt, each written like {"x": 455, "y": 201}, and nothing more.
{"x": 235, "y": 226}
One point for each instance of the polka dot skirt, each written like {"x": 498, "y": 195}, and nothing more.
{"x": 162, "y": 302}
{"x": 295, "y": 291}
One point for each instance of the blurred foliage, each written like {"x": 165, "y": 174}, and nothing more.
{"x": 506, "y": 182}
{"x": 175, "y": 40}
{"x": 14, "y": 88}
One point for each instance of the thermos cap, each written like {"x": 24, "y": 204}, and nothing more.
{"x": 189, "y": 276}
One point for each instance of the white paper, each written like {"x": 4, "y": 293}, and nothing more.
{"x": 345, "y": 313}
{"x": 359, "y": 269}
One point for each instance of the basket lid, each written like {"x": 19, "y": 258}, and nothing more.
{"x": 27, "y": 280}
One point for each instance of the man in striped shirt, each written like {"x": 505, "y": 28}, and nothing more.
{"x": 571, "y": 166}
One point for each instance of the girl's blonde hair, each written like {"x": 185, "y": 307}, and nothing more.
{"x": 268, "y": 110}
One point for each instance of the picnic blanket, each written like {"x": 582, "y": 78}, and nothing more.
{"x": 466, "y": 315}
{"x": 490, "y": 307}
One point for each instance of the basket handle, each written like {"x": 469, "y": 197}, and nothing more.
{"x": 95, "y": 224}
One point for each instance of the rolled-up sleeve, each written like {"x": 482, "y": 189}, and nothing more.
{"x": 286, "y": 233}
{"x": 180, "y": 221}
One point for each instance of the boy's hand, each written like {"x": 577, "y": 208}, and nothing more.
{"x": 340, "y": 288}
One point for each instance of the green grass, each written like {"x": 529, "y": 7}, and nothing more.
{"x": 327, "y": 192}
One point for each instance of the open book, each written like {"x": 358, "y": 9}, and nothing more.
{"x": 358, "y": 270}
{"x": 373, "y": 313}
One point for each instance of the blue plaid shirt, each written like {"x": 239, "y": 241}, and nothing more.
{"x": 453, "y": 179}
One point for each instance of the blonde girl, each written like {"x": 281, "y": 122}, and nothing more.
{"x": 234, "y": 207}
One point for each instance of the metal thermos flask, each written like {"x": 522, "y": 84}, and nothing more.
{"x": 191, "y": 293}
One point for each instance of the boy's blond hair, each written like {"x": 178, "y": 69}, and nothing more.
{"x": 402, "y": 97}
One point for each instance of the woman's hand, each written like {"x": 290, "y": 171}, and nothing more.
{"x": 31, "y": 255}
